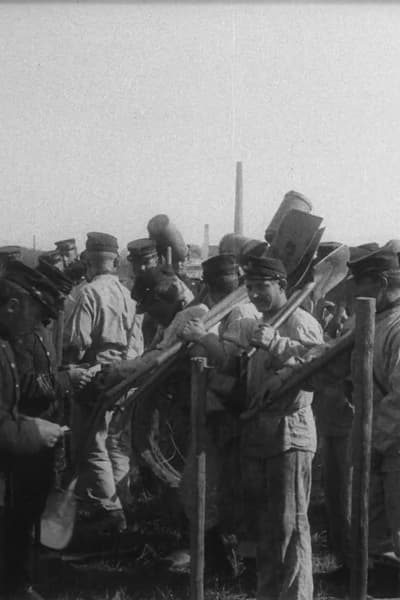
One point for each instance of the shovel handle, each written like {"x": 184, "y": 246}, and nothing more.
{"x": 286, "y": 311}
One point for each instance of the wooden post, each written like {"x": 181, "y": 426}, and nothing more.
{"x": 238, "y": 219}
{"x": 197, "y": 526}
{"x": 362, "y": 376}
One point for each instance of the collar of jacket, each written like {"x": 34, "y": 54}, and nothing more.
{"x": 389, "y": 306}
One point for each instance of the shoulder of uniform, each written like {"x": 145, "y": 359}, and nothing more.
{"x": 304, "y": 319}
{"x": 244, "y": 310}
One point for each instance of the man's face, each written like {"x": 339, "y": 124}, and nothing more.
{"x": 218, "y": 293}
{"x": 70, "y": 256}
{"x": 21, "y": 314}
{"x": 266, "y": 295}
{"x": 143, "y": 264}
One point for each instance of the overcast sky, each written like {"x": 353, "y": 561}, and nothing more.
{"x": 112, "y": 113}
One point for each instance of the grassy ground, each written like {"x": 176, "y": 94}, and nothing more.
{"x": 135, "y": 566}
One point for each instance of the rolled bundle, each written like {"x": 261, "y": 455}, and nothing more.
{"x": 241, "y": 246}
{"x": 166, "y": 234}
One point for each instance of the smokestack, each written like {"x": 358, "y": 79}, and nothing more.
{"x": 238, "y": 221}
{"x": 206, "y": 242}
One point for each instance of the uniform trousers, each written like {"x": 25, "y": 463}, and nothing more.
{"x": 28, "y": 484}
{"x": 337, "y": 476}
{"x": 384, "y": 503}
{"x": 104, "y": 471}
{"x": 276, "y": 498}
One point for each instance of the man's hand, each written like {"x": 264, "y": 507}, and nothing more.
{"x": 49, "y": 433}
{"x": 80, "y": 377}
{"x": 193, "y": 331}
{"x": 263, "y": 336}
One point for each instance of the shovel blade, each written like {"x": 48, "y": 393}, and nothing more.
{"x": 58, "y": 520}
{"x": 330, "y": 271}
{"x": 301, "y": 274}
{"x": 294, "y": 236}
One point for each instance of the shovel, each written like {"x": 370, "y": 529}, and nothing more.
{"x": 294, "y": 236}
{"x": 327, "y": 273}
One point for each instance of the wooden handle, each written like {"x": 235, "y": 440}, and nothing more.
{"x": 214, "y": 316}
{"x": 309, "y": 369}
{"x": 286, "y": 311}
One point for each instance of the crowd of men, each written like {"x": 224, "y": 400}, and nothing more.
{"x": 69, "y": 328}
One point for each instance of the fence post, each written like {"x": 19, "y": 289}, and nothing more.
{"x": 197, "y": 525}
{"x": 362, "y": 376}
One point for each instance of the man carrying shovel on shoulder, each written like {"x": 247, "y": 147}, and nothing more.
{"x": 277, "y": 447}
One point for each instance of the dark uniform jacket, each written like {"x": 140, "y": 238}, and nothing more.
{"x": 43, "y": 387}
{"x": 18, "y": 435}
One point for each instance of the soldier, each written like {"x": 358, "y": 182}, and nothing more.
{"x": 26, "y": 299}
{"x": 101, "y": 330}
{"x": 68, "y": 251}
{"x": 142, "y": 255}
{"x": 277, "y": 447}
{"x": 8, "y": 253}
{"x": 53, "y": 258}
{"x": 221, "y": 277}
{"x": 334, "y": 412}
{"x": 377, "y": 275}
{"x": 73, "y": 265}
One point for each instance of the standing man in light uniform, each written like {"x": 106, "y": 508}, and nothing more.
{"x": 278, "y": 445}
{"x": 101, "y": 330}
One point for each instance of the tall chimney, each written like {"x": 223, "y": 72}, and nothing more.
{"x": 238, "y": 221}
{"x": 206, "y": 242}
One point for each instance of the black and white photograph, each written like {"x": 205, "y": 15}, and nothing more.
{"x": 199, "y": 300}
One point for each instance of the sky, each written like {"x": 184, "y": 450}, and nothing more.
{"x": 112, "y": 113}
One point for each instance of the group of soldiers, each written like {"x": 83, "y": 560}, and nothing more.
{"x": 69, "y": 328}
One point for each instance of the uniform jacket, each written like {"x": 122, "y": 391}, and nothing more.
{"x": 101, "y": 327}
{"x": 18, "y": 435}
{"x": 386, "y": 416}
{"x": 272, "y": 432}
{"x": 43, "y": 387}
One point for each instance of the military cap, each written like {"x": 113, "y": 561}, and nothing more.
{"x": 380, "y": 261}
{"x": 10, "y": 253}
{"x": 63, "y": 283}
{"x": 148, "y": 282}
{"x": 65, "y": 245}
{"x": 101, "y": 242}
{"x": 36, "y": 284}
{"x": 221, "y": 265}
{"x": 259, "y": 249}
{"x": 142, "y": 248}
{"x": 53, "y": 257}
{"x": 263, "y": 267}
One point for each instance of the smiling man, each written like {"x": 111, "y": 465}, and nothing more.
{"x": 277, "y": 446}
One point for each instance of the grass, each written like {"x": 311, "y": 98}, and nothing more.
{"x": 143, "y": 574}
